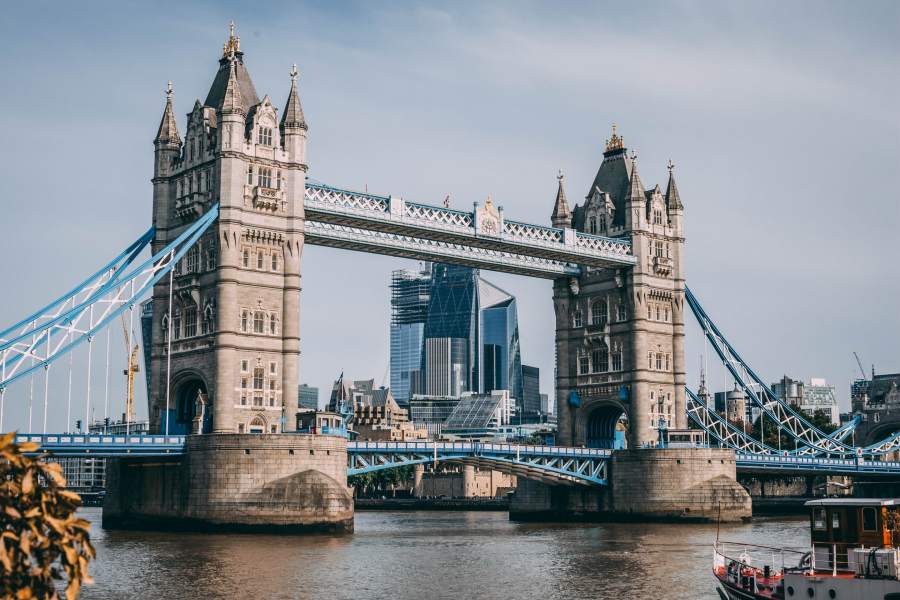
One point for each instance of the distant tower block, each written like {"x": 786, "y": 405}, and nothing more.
{"x": 235, "y": 306}
{"x": 620, "y": 332}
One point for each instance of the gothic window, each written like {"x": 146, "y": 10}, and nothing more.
{"x": 265, "y": 136}
{"x": 592, "y": 224}
{"x": 259, "y": 259}
{"x": 657, "y": 217}
{"x": 250, "y": 175}
{"x": 165, "y": 327}
{"x": 600, "y": 358}
{"x": 272, "y": 325}
{"x": 621, "y": 312}
{"x": 258, "y": 377}
{"x": 245, "y": 259}
{"x": 617, "y": 358}
{"x": 265, "y": 177}
{"x": 659, "y": 364}
{"x": 659, "y": 249}
{"x": 258, "y": 322}
{"x": 190, "y": 322}
{"x": 583, "y": 363}
{"x": 602, "y": 223}
{"x": 577, "y": 320}
{"x": 599, "y": 314}
{"x": 244, "y": 318}
{"x": 193, "y": 258}
{"x": 176, "y": 325}
{"x": 274, "y": 261}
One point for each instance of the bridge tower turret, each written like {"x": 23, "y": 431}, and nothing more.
{"x": 620, "y": 332}
{"x": 235, "y": 302}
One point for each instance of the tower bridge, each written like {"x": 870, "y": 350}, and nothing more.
{"x": 233, "y": 208}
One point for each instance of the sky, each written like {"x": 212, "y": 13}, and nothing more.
{"x": 781, "y": 118}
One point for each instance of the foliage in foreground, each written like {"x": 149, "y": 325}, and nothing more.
{"x": 41, "y": 540}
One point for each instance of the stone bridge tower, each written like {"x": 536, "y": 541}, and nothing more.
{"x": 620, "y": 332}
{"x": 235, "y": 303}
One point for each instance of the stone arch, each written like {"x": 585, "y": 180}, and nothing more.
{"x": 257, "y": 424}
{"x": 600, "y": 424}
{"x": 186, "y": 386}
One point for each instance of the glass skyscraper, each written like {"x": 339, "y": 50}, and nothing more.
{"x": 453, "y": 332}
{"x": 410, "y": 292}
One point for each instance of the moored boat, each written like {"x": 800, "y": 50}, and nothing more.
{"x": 854, "y": 555}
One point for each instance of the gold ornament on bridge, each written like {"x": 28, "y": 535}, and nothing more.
{"x": 615, "y": 142}
{"x": 233, "y": 45}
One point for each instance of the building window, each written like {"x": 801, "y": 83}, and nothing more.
{"x": 602, "y": 223}
{"x": 258, "y": 380}
{"x": 649, "y": 360}
{"x": 657, "y": 217}
{"x": 617, "y": 359}
{"x": 667, "y": 361}
{"x": 210, "y": 259}
{"x": 258, "y": 322}
{"x": 659, "y": 249}
{"x": 165, "y": 328}
{"x": 666, "y": 314}
{"x": 577, "y": 321}
{"x": 265, "y": 136}
{"x": 600, "y": 358}
{"x": 273, "y": 366}
{"x": 176, "y": 325}
{"x": 649, "y": 313}
{"x": 272, "y": 385}
{"x": 659, "y": 362}
{"x": 250, "y": 175}
{"x": 240, "y": 428}
{"x": 243, "y": 391}
{"x": 592, "y": 225}
{"x": 583, "y": 363}
{"x": 819, "y": 523}
{"x": 245, "y": 259}
{"x": 265, "y": 177}
{"x": 244, "y": 324}
{"x": 190, "y": 322}
{"x": 272, "y": 327}
{"x": 192, "y": 259}
{"x": 245, "y": 366}
{"x": 621, "y": 312}
{"x": 208, "y": 324}
{"x": 657, "y": 312}
{"x": 599, "y": 313}
{"x": 274, "y": 261}
{"x": 277, "y": 179}
{"x": 259, "y": 259}
{"x": 868, "y": 519}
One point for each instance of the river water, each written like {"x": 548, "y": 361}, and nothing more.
{"x": 433, "y": 555}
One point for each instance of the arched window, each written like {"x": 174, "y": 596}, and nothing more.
{"x": 165, "y": 327}
{"x": 259, "y": 322}
{"x": 272, "y": 327}
{"x": 599, "y": 313}
{"x": 600, "y": 358}
{"x": 592, "y": 224}
{"x": 265, "y": 136}
{"x": 577, "y": 320}
{"x": 245, "y": 259}
{"x": 257, "y": 425}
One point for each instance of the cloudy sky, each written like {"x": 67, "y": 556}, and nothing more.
{"x": 781, "y": 117}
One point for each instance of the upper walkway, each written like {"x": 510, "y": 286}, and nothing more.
{"x": 481, "y": 238}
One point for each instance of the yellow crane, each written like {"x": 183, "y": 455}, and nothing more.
{"x": 132, "y": 367}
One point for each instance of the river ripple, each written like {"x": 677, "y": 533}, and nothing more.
{"x": 435, "y": 555}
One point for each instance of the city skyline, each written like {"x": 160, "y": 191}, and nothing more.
{"x": 762, "y": 164}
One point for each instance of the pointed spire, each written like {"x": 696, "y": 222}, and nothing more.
{"x": 293, "y": 111}
{"x": 231, "y": 100}
{"x": 562, "y": 216}
{"x": 168, "y": 127}
{"x": 615, "y": 141}
{"x": 635, "y": 187}
{"x": 673, "y": 200}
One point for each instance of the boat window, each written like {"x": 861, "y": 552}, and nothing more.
{"x": 819, "y": 519}
{"x": 869, "y": 519}
{"x": 835, "y": 520}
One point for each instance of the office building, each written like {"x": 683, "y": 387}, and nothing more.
{"x": 410, "y": 293}
{"x": 308, "y": 397}
{"x": 532, "y": 409}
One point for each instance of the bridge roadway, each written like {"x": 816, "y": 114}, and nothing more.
{"x": 558, "y": 465}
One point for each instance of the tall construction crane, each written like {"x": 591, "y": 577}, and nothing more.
{"x": 859, "y": 362}
{"x": 131, "y": 355}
